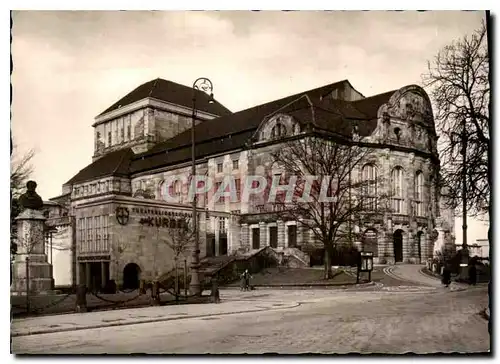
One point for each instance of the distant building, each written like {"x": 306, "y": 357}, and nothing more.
{"x": 118, "y": 214}
{"x": 481, "y": 248}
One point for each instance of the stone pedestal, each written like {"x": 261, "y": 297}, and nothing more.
{"x": 31, "y": 246}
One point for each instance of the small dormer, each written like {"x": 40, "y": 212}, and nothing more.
{"x": 277, "y": 127}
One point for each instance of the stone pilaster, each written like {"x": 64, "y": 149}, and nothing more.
{"x": 281, "y": 234}
{"x": 244, "y": 237}
{"x": 264, "y": 231}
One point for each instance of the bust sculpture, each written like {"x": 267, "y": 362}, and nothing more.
{"x": 30, "y": 199}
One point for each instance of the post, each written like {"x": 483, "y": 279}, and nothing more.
{"x": 185, "y": 278}
{"x": 176, "y": 286}
{"x": 464, "y": 261}
{"x": 28, "y": 284}
{"x": 50, "y": 242}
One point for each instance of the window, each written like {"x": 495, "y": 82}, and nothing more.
{"x": 397, "y": 190}
{"x": 255, "y": 238}
{"x": 219, "y": 167}
{"x": 237, "y": 183}
{"x": 369, "y": 176}
{"x": 419, "y": 189}
{"x": 236, "y": 164}
{"x": 292, "y": 236}
{"x": 122, "y": 134}
{"x": 129, "y": 132}
{"x": 177, "y": 188}
{"x": 96, "y": 234}
{"x": 89, "y": 233}
{"x": 217, "y": 187}
{"x": 278, "y": 131}
{"x": 222, "y": 225}
{"x": 109, "y": 138}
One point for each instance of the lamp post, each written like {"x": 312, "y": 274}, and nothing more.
{"x": 205, "y": 85}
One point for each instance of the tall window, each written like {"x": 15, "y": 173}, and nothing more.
{"x": 369, "y": 176}
{"x": 222, "y": 225}
{"x": 109, "y": 138}
{"x": 397, "y": 190}
{"x": 219, "y": 167}
{"x": 96, "y": 234}
{"x": 89, "y": 233}
{"x": 237, "y": 183}
{"x": 278, "y": 131}
{"x": 105, "y": 238}
{"x": 419, "y": 191}
{"x": 217, "y": 187}
{"x": 235, "y": 164}
{"x": 129, "y": 132}
{"x": 177, "y": 188}
{"x": 81, "y": 234}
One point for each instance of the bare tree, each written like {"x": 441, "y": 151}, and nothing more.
{"x": 459, "y": 86}
{"x": 458, "y": 80}
{"x": 339, "y": 195}
{"x": 21, "y": 170}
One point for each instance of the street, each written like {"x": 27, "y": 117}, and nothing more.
{"x": 324, "y": 321}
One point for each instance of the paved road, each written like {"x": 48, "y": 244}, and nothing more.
{"x": 324, "y": 322}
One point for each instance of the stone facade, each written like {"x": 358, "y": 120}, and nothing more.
{"x": 404, "y": 138}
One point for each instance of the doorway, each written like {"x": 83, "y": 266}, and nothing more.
{"x": 222, "y": 245}
{"x": 256, "y": 238}
{"x": 398, "y": 246}
{"x": 419, "y": 246}
{"x": 131, "y": 276}
{"x": 273, "y": 236}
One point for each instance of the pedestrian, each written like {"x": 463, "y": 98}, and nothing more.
{"x": 245, "y": 280}
{"x": 473, "y": 273}
{"x": 446, "y": 275}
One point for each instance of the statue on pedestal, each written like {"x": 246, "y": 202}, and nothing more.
{"x": 30, "y": 199}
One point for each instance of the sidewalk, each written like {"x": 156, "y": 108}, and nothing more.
{"x": 91, "y": 320}
{"x": 413, "y": 273}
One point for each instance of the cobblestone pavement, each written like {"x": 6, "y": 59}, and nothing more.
{"x": 324, "y": 322}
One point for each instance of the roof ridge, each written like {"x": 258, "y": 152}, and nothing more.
{"x": 154, "y": 86}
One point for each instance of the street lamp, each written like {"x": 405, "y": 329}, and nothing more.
{"x": 205, "y": 85}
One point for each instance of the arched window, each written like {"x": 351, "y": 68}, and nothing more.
{"x": 397, "y": 190}
{"x": 419, "y": 190}
{"x": 278, "y": 131}
{"x": 369, "y": 178}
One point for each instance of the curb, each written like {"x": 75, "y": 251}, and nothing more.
{"x": 308, "y": 285}
{"x": 111, "y": 324}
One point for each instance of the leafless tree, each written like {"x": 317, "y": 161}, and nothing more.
{"x": 21, "y": 170}
{"x": 459, "y": 83}
{"x": 351, "y": 197}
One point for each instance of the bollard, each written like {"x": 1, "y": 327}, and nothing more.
{"x": 215, "y": 291}
{"x": 81, "y": 298}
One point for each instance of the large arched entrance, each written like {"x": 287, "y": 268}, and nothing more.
{"x": 419, "y": 245}
{"x": 398, "y": 246}
{"x": 131, "y": 276}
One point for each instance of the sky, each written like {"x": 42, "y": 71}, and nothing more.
{"x": 70, "y": 66}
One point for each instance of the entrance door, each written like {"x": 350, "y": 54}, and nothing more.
{"x": 419, "y": 246}
{"x": 292, "y": 236}
{"x": 222, "y": 245}
{"x": 273, "y": 236}
{"x": 131, "y": 274}
{"x": 256, "y": 238}
{"x": 398, "y": 246}
{"x": 211, "y": 246}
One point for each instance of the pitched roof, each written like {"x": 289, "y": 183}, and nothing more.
{"x": 233, "y": 131}
{"x": 171, "y": 92}
{"x": 113, "y": 164}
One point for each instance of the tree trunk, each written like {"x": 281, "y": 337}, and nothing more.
{"x": 328, "y": 262}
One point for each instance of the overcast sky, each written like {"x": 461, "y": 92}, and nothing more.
{"x": 70, "y": 66}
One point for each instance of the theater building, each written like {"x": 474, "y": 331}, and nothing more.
{"x": 121, "y": 218}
